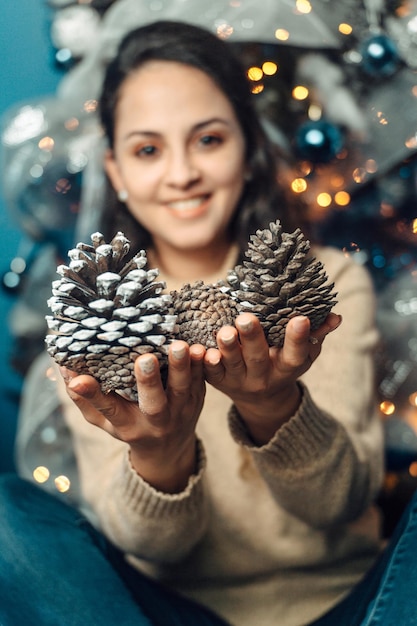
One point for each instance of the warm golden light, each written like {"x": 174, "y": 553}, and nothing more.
{"x": 72, "y": 123}
{"x": 414, "y": 226}
{"x": 46, "y": 143}
{"x": 351, "y": 249}
{"x": 62, "y": 483}
{"x": 303, "y": 6}
{"x": 224, "y": 31}
{"x": 90, "y": 106}
{"x": 411, "y": 143}
{"x": 345, "y": 29}
{"x": 255, "y": 73}
{"x": 63, "y": 185}
{"x": 258, "y": 88}
{"x": 386, "y": 210}
{"x": 413, "y": 469}
{"x": 342, "y": 198}
{"x": 300, "y": 93}
{"x": 41, "y": 474}
{"x": 315, "y": 112}
{"x": 269, "y": 68}
{"x": 324, "y": 199}
{"x": 342, "y": 154}
{"x": 337, "y": 181}
{"x": 298, "y": 185}
{"x": 381, "y": 118}
{"x": 387, "y": 407}
{"x": 371, "y": 166}
{"x": 359, "y": 174}
{"x": 413, "y": 399}
{"x": 305, "y": 168}
{"x": 281, "y": 34}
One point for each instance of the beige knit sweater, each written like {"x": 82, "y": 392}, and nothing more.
{"x": 270, "y": 535}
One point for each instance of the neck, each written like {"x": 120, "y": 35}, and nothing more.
{"x": 178, "y": 267}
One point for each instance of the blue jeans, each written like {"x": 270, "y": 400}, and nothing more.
{"x": 57, "y": 570}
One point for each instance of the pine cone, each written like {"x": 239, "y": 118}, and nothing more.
{"x": 106, "y": 312}
{"x": 279, "y": 281}
{"x": 201, "y": 310}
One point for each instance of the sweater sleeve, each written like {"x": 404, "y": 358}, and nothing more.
{"x": 331, "y": 451}
{"x": 137, "y": 518}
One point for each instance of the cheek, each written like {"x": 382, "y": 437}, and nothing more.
{"x": 229, "y": 171}
{"x": 141, "y": 183}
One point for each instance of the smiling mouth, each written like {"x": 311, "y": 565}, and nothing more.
{"x": 189, "y": 205}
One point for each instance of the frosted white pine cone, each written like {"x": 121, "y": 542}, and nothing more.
{"x": 106, "y": 312}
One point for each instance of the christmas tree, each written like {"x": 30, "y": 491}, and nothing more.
{"x": 336, "y": 84}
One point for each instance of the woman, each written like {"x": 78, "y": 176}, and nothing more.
{"x": 247, "y": 483}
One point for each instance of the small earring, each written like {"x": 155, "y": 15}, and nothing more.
{"x": 248, "y": 176}
{"x": 122, "y": 195}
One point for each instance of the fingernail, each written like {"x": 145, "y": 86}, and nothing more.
{"x": 228, "y": 339}
{"x": 178, "y": 352}
{"x": 75, "y": 385}
{"x": 147, "y": 365}
{"x": 66, "y": 374}
{"x": 337, "y": 322}
{"x": 245, "y": 325}
{"x": 299, "y": 323}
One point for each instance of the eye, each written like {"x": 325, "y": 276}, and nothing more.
{"x": 210, "y": 140}
{"x": 146, "y": 151}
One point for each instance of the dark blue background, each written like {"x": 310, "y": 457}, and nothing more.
{"x": 27, "y": 71}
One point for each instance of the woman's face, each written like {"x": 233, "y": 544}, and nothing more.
{"x": 179, "y": 152}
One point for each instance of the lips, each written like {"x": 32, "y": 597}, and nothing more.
{"x": 190, "y": 207}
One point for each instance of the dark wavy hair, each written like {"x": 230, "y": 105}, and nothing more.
{"x": 261, "y": 201}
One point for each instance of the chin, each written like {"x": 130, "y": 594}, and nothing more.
{"x": 195, "y": 238}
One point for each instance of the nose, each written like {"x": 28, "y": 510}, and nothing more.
{"x": 182, "y": 170}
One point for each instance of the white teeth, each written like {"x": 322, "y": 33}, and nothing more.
{"x": 183, "y": 205}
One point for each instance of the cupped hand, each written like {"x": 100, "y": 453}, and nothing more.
{"x": 260, "y": 380}
{"x": 160, "y": 428}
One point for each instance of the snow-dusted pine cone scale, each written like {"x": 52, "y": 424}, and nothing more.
{"x": 106, "y": 311}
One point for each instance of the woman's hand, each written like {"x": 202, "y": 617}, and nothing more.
{"x": 262, "y": 381}
{"x": 160, "y": 428}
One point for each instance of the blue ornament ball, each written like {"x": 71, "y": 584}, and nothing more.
{"x": 380, "y": 57}
{"x": 319, "y": 141}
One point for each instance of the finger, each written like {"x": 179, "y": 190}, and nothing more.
{"x": 330, "y": 324}
{"x": 151, "y": 394}
{"x": 213, "y": 367}
{"x": 255, "y": 349}
{"x": 66, "y": 373}
{"x": 198, "y": 387}
{"x": 95, "y": 406}
{"x": 297, "y": 346}
{"x": 179, "y": 367}
{"x": 231, "y": 351}
{"x": 185, "y": 369}
{"x": 197, "y": 354}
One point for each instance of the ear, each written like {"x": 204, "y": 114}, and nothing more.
{"x": 112, "y": 170}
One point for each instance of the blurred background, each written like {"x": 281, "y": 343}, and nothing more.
{"x": 27, "y": 71}
{"x": 336, "y": 84}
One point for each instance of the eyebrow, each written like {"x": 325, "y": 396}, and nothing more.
{"x": 196, "y": 127}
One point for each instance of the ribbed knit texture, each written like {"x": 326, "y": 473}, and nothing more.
{"x": 263, "y": 535}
